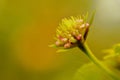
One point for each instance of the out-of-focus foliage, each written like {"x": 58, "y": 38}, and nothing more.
{"x": 115, "y": 51}
{"x": 91, "y": 72}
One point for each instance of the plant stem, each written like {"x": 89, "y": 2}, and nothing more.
{"x": 90, "y": 55}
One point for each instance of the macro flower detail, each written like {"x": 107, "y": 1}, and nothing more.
{"x": 70, "y": 31}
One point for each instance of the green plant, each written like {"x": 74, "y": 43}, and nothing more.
{"x": 72, "y": 32}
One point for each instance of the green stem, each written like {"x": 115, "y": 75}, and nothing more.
{"x": 90, "y": 55}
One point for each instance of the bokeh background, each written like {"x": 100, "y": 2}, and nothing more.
{"x": 27, "y": 27}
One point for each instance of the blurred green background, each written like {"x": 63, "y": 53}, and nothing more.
{"x": 27, "y": 27}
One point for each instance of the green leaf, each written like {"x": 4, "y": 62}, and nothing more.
{"x": 62, "y": 50}
{"x": 92, "y": 18}
{"x": 115, "y": 51}
{"x": 91, "y": 72}
{"x": 117, "y": 48}
{"x": 110, "y": 53}
{"x": 85, "y": 17}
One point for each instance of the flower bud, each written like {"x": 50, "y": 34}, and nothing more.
{"x": 87, "y": 25}
{"x": 82, "y": 26}
{"x": 60, "y": 37}
{"x": 70, "y": 31}
{"x": 72, "y": 40}
{"x": 58, "y": 43}
{"x": 79, "y": 37}
{"x": 64, "y": 39}
{"x": 67, "y": 45}
{"x": 69, "y": 35}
